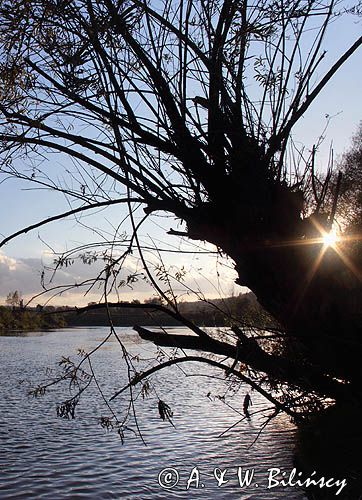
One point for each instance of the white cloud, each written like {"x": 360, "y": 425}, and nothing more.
{"x": 19, "y": 274}
{"x": 24, "y": 275}
{"x": 7, "y": 262}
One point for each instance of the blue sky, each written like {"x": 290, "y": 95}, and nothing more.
{"x": 19, "y": 206}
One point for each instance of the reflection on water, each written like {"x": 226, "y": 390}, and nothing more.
{"x": 46, "y": 457}
{"x": 23, "y": 333}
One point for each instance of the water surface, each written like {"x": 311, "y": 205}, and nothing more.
{"x": 43, "y": 456}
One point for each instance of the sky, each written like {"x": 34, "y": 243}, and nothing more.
{"x": 22, "y": 260}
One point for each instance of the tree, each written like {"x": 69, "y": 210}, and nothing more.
{"x": 14, "y": 299}
{"x": 187, "y": 108}
{"x": 349, "y": 209}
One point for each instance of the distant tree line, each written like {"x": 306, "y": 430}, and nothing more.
{"x": 243, "y": 307}
{"x": 15, "y": 316}
{"x": 28, "y": 319}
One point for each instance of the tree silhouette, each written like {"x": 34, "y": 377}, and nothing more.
{"x": 187, "y": 108}
{"x": 350, "y": 202}
{"x": 14, "y": 299}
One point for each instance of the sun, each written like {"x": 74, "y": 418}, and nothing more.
{"x": 330, "y": 239}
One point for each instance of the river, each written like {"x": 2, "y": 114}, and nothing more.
{"x": 43, "y": 456}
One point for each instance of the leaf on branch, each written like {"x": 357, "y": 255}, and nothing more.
{"x": 165, "y": 411}
{"x": 67, "y": 409}
{"x": 37, "y": 391}
{"x": 146, "y": 389}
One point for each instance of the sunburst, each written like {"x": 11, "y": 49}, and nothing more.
{"x": 330, "y": 239}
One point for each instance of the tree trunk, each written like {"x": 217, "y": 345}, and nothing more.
{"x": 310, "y": 290}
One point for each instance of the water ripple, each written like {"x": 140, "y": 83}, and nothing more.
{"x": 44, "y": 457}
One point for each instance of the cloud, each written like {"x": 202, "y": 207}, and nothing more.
{"x": 19, "y": 274}
{"x": 8, "y": 262}
{"x": 24, "y": 275}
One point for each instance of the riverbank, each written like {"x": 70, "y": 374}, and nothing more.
{"x": 28, "y": 319}
{"x": 330, "y": 443}
{"x": 212, "y": 313}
